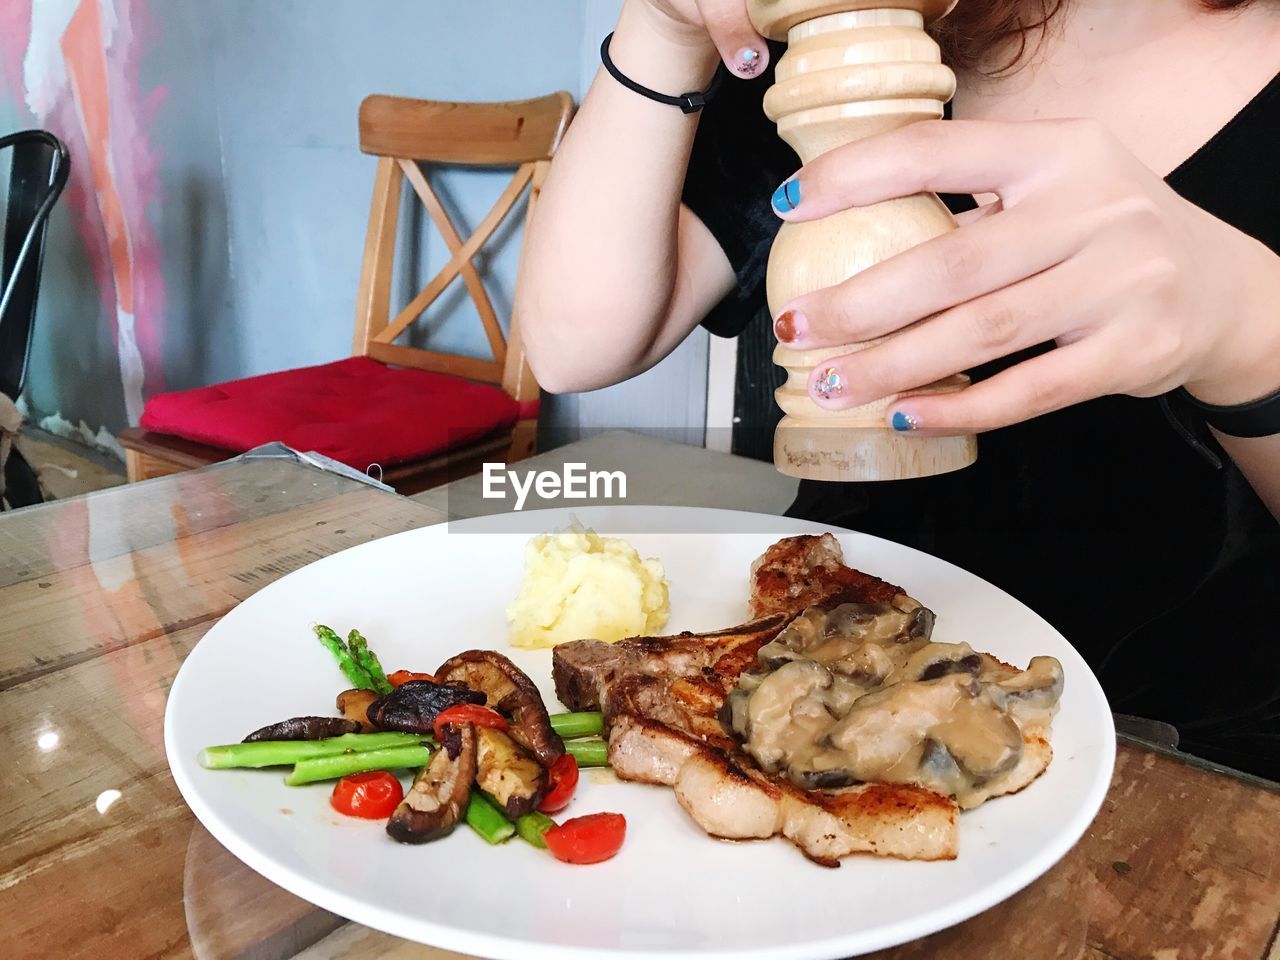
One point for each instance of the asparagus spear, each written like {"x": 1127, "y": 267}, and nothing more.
{"x": 532, "y": 826}
{"x": 589, "y": 723}
{"x": 356, "y": 675}
{"x": 345, "y": 764}
{"x": 281, "y": 753}
{"x": 487, "y": 819}
{"x": 368, "y": 661}
{"x": 588, "y": 753}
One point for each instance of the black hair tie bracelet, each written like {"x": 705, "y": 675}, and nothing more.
{"x": 690, "y": 102}
{"x": 1258, "y": 418}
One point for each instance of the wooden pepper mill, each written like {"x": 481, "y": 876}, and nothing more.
{"x": 853, "y": 68}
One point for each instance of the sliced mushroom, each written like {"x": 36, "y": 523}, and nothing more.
{"x": 939, "y": 767}
{"x": 506, "y": 772}
{"x": 935, "y": 660}
{"x": 984, "y": 741}
{"x": 854, "y": 639}
{"x": 440, "y": 793}
{"x": 775, "y": 653}
{"x": 888, "y": 735}
{"x": 511, "y": 693}
{"x": 1042, "y": 681}
{"x": 920, "y": 626}
{"x": 304, "y": 728}
{"x": 794, "y": 641}
{"x": 885, "y": 727}
{"x": 882, "y": 623}
{"x": 414, "y": 706}
{"x": 824, "y": 779}
{"x": 787, "y": 713}
{"x": 733, "y": 713}
{"x": 868, "y": 665}
{"x": 1033, "y": 694}
{"x": 354, "y": 705}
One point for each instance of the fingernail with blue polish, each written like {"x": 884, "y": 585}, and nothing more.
{"x": 904, "y": 422}
{"x": 787, "y": 197}
{"x": 829, "y": 384}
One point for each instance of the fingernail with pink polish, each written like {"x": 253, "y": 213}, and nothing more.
{"x": 790, "y": 327}
{"x": 828, "y": 385}
{"x": 748, "y": 61}
{"x": 904, "y": 422}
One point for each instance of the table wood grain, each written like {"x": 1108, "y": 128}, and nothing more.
{"x": 103, "y": 597}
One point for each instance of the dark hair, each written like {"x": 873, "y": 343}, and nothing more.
{"x": 1010, "y": 28}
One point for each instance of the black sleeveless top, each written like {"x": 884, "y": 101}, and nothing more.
{"x": 1119, "y": 520}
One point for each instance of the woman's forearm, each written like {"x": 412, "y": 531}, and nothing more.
{"x": 603, "y": 292}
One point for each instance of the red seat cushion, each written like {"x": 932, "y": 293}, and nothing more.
{"x": 356, "y": 410}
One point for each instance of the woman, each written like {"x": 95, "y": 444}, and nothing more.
{"x": 1114, "y": 257}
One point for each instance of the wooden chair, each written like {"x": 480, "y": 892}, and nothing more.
{"x": 404, "y": 134}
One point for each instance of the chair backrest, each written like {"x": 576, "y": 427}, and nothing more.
{"x": 406, "y": 134}
{"x": 39, "y": 166}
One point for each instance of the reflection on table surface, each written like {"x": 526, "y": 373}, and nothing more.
{"x": 102, "y": 597}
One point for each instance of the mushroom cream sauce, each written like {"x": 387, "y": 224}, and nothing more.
{"x": 860, "y": 693}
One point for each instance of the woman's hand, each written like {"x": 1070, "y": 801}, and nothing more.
{"x": 1085, "y": 247}
{"x": 743, "y": 50}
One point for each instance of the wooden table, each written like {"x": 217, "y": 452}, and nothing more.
{"x": 102, "y": 597}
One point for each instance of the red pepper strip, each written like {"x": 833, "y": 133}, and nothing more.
{"x": 589, "y": 839}
{"x": 404, "y": 676}
{"x": 469, "y": 713}
{"x": 562, "y": 780}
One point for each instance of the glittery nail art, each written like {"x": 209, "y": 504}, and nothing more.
{"x": 749, "y": 61}
{"x": 830, "y": 384}
{"x": 904, "y": 422}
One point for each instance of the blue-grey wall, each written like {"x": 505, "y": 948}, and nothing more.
{"x": 264, "y": 195}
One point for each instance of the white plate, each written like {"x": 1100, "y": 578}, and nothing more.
{"x": 672, "y": 892}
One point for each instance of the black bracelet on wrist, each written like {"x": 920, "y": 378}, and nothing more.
{"x": 1258, "y": 418}
{"x": 687, "y": 102}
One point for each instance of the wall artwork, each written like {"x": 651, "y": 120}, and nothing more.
{"x": 74, "y": 65}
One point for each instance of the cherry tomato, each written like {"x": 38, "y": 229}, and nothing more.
{"x": 373, "y": 795}
{"x": 562, "y": 780}
{"x": 471, "y": 713}
{"x": 404, "y": 676}
{"x": 589, "y": 839}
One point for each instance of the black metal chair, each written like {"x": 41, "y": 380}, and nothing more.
{"x": 38, "y": 172}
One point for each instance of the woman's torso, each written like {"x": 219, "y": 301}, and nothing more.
{"x": 1155, "y": 561}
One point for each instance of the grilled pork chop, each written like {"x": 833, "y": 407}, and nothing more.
{"x": 662, "y": 698}
{"x": 798, "y": 572}
{"x": 826, "y": 720}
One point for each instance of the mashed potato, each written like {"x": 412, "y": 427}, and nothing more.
{"x": 578, "y": 585}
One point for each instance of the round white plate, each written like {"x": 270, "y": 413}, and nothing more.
{"x": 672, "y": 892}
